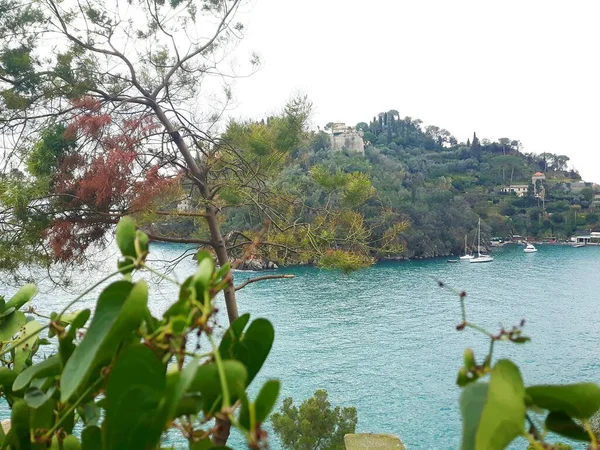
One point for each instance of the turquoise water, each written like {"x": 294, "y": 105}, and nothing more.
{"x": 384, "y": 339}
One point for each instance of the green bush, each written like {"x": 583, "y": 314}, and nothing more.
{"x": 314, "y": 425}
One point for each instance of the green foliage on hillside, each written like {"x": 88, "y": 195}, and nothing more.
{"x": 433, "y": 184}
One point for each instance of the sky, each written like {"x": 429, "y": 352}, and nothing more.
{"x": 527, "y": 70}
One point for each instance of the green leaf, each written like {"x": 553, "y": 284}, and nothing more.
{"x": 66, "y": 347}
{"x": 141, "y": 244}
{"x": 208, "y": 383}
{"x": 252, "y": 348}
{"x": 71, "y": 443}
{"x": 560, "y": 423}
{"x": 135, "y": 389}
{"x": 7, "y": 378}
{"x": 91, "y": 438}
{"x": 47, "y": 368}
{"x": 24, "y": 345}
{"x": 223, "y": 270}
{"x": 244, "y": 417}
{"x": 125, "y": 267}
{"x": 201, "y": 279}
{"x": 204, "y": 444}
{"x": 10, "y": 326}
{"x": 126, "y": 237}
{"x": 179, "y": 324}
{"x": 503, "y": 416}
{"x": 77, "y": 318}
{"x": 35, "y": 397}
{"x": 579, "y": 401}
{"x": 182, "y": 306}
{"x": 266, "y": 399}
{"x": 233, "y": 333}
{"x": 472, "y": 401}
{"x": 190, "y": 404}
{"x": 22, "y": 296}
{"x": 43, "y": 416}
{"x": 20, "y": 425}
{"x": 178, "y": 384}
{"x": 7, "y": 312}
{"x": 119, "y": 311}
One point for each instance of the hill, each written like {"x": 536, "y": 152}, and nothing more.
{"x": 424, "y": 177}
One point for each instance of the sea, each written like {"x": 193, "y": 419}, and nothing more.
{"x": 385, "y": 339}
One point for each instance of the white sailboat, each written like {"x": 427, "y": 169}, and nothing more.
{"x": 467, "y": 256}
{"x": 480, "y": 258}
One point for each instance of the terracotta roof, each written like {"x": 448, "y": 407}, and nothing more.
{"x": 539, "y": 174}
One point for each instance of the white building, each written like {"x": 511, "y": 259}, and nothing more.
{"x": 184, "y": 205}
{"x": 519, "y": 189}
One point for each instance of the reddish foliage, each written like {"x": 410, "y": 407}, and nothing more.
{"x": 69, "y": 240}
{"x": 88, "y": 124}
{"x": 93, "y": 186}
{"x": 148, "y": 190}
{"x": 87, "y": 103}
{"x": 107, "y": 179}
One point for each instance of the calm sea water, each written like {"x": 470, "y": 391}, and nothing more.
{"x": 384, "y": 339}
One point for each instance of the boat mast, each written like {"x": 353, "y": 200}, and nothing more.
{"x": 479, "y": 238}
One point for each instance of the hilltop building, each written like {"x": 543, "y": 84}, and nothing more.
{"x": 344, "y": 138}
{"x": 534, "y": 178}
{"x": 519, "y": 189}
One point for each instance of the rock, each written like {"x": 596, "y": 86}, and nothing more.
{"x": 368, "y": 441}
{"x": 256, "y": 264}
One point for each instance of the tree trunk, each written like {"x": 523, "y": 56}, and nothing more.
{"x": 211, "y": 213}
{"x": 223, "y": 425}
{"x": 223, "y": 258}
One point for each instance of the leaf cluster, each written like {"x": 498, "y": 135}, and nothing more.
{"x": 125, "y": 377}
{"x": 497, "y": 411}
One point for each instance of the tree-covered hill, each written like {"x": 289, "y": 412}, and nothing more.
{"x": 440, "y": 186}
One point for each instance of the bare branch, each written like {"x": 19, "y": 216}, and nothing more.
{"x": 159, "y": 238}
{"x": 264, "y": 277}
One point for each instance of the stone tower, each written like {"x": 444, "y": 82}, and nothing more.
{"x": 346, "y": 138}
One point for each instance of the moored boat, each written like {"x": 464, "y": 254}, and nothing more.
{"x": 481, "y": 258}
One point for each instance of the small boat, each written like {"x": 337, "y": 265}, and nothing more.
{"x": 452, "y": 260}
{"x": 578, "y": 245}
{"x": 530, "y": 249}
{"x": 467, "y": 256}
{"x": 480, "y": 258}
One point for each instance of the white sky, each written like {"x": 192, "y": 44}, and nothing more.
{"x": 526, "y": 69}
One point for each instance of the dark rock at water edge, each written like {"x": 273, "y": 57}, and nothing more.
{"x": 254, "y": 263}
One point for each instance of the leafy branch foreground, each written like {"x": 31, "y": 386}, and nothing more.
{"x": 132, "y": 378}
{"x": 496, "y": 412}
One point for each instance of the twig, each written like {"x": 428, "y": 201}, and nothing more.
{"x": 264, "y": 277}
